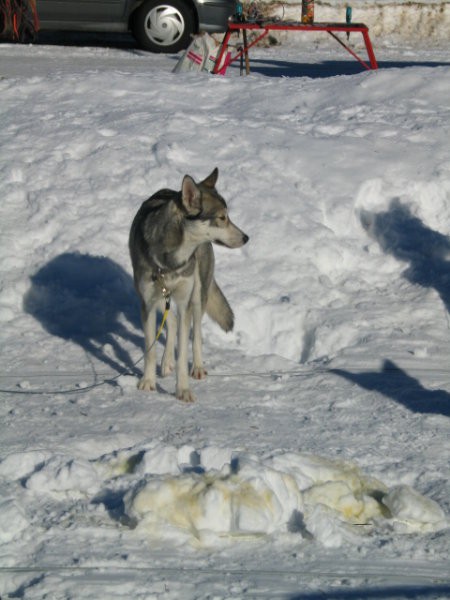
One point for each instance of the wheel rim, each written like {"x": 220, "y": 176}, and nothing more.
{"x": 164, "y": 25}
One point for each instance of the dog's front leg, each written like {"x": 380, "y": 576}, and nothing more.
{"x": 168, "y": 359}
{"x": 198, "y": 371}
{"x": 148, "y": 381}
{"x": 184, "y": 321}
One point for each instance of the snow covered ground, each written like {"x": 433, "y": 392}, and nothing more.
{"x": 315, "y": 462}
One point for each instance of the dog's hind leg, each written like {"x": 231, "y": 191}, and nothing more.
{"x": 148, "y": 381}
{"x": 183, "y": 392}
{"x": 168, "y": 359}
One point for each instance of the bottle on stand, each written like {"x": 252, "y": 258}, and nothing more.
{"x": 348, "y": 18}
{"x": 308, "y": 11}
{"x": 239, "y": 11}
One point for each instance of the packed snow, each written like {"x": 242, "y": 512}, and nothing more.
{"x": 315, "y": 461}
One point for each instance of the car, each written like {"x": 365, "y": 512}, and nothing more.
{"x": 157, "y": 25}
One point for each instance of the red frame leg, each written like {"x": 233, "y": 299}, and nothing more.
{"x": 370, "y": 52}
{"x": 222, "y": 51}
{"x": 266, "y": 27}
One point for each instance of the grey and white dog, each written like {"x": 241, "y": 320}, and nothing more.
{"x": 171, "y": 251}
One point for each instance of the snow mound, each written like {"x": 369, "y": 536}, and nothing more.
{"x": 330, "y": 501}
{"x": 13, "y": 520}
{"x": 412, "y": 509}
{"x": 214, "y": 495}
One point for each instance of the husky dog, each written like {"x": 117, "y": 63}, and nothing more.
{"x": 171, "y": 251}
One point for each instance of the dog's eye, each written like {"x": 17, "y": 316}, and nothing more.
{"x": 222, "y": 218}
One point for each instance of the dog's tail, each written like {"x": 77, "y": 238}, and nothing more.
{"x": 218, "y": 309}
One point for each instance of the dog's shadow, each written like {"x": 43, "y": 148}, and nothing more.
{"x": 88, "y": 300}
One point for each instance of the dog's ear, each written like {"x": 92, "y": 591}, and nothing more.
{"x": 191, "y": 196}
{"x": 211, "y": 180}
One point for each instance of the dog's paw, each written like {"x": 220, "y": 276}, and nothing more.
{"x": 199, "y": 372}
{"x": 185, "y": 396}
{"x": 167, "y": 367}
{"x": 147, "y": 385}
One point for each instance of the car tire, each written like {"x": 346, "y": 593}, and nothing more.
{"x": 163, "y": 25}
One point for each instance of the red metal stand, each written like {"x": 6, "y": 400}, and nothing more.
{"x": 265, "y": 27}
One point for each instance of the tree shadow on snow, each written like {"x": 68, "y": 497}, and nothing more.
{"x": 88, "y": 300}
{"x": 377, "y": 593}
{"x": 405, "y": 237}
{"x": 395, "y": 383}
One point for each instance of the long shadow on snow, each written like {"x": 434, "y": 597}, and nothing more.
{"x": 328, "y": 68}
{"x": 394, "y": 383}
{"x": 380, "y": 593}
{"x": 404, "y": 236}
{"x": 83, "y": 298}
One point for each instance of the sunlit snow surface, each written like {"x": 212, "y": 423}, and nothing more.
{"x": 316, "y": 458}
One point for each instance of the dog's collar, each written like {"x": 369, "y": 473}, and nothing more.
{"x": 159, "y": 274}
{"x": 161, "y": 271}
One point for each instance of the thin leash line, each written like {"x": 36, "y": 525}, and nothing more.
{"x": 109, "y": 380}
{"x": 81, "y": 390}
{"x": 161, "y": 327}
{"x": 159, "y": 278}
{"x": 294, "y": 373}
{"x": 272, "y": 373}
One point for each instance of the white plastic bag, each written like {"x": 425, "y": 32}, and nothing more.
{"x": 201, "y": 55}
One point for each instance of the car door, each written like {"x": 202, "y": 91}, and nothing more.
{"x": 80, "y": 11}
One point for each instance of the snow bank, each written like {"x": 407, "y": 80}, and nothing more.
{"x": 318, "y": 278}
{"x": 340, "y": 348}
{"x": 13, "y": 520}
